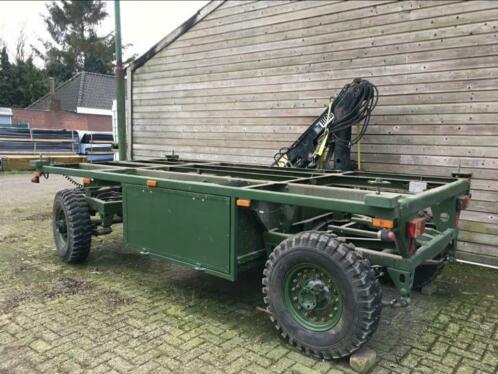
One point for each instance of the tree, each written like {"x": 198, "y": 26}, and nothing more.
{"x": 21, "y": 82}
{"x": 21, "y": 45}
{"x": 6, "y": 79}
{"x": 75, "y": 44}
{"x": 29, "y": 82}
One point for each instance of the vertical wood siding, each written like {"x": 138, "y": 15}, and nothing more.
{"x": 251, "y": 76}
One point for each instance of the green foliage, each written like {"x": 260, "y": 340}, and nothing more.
{"x": 75, "y": 44}
{"x": 6, "y": 81}
{"x": 30, "y": 83}
{"x": 22, "y": 82}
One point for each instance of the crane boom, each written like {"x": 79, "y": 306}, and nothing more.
{"x": 326, "y": 144}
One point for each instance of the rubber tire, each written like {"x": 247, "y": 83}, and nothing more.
{"x": 352, "y": 274}
{"x": 425, "y": 274}
{"x": 79, "y": 227}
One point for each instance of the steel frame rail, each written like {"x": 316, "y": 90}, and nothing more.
{"x": 330, "y": 190}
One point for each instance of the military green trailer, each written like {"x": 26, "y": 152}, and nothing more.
{"x": 324, "y": 237}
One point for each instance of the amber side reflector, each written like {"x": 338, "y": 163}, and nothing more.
{"x": 87, "y": 181}
{"x": 243, "y": 203}
{"x": 384, "y": 223}
{"x": 151, "y": 183}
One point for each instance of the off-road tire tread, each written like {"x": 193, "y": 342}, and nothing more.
{"x": 364, "y": 281}
{"x": 78, "y": 224}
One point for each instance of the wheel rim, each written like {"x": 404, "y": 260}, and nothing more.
{"x": 312, "y": 297}
{"x": 61, "y": 226}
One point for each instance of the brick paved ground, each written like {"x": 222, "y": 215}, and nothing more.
{"x": 120, "y": 312}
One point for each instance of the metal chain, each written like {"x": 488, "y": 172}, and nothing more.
{"x": 73, "y": 181}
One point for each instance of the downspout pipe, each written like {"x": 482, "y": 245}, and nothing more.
{"x": 120, "y": 85}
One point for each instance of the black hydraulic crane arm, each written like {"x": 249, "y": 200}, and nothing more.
{"x": 330, "y": 135}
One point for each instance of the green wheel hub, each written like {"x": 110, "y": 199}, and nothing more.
{"x": 312, "y": 297}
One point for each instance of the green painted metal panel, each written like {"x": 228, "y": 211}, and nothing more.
{"x": 189, "y": 228}
{"x": 386, "y": 200}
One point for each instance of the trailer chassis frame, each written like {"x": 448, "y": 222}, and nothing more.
{"x": 351, "y": 193}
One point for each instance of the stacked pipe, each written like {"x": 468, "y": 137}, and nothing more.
{"x": 33, "y": 141}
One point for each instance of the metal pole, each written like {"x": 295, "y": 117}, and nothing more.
{"x": 120, "y": 85}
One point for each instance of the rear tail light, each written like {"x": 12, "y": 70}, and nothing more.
{"x": 463, "y": 202}
{"x": 416, "y": 227}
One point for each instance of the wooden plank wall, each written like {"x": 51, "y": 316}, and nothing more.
{"x": 251, "y": 76}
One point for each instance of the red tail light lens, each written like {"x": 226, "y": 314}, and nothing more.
{"x": 416, "y": 227}
{"x": 463, "y": 202}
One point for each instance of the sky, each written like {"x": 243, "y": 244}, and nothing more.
{"x": 143, "y": 23}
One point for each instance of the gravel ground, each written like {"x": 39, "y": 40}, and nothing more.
{"x": 120, "y": 312}
{"x": 16, "y": 190}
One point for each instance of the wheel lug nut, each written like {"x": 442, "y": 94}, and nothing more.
{"x": 331, "y": 315}
{"x": 294, "y": 298}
